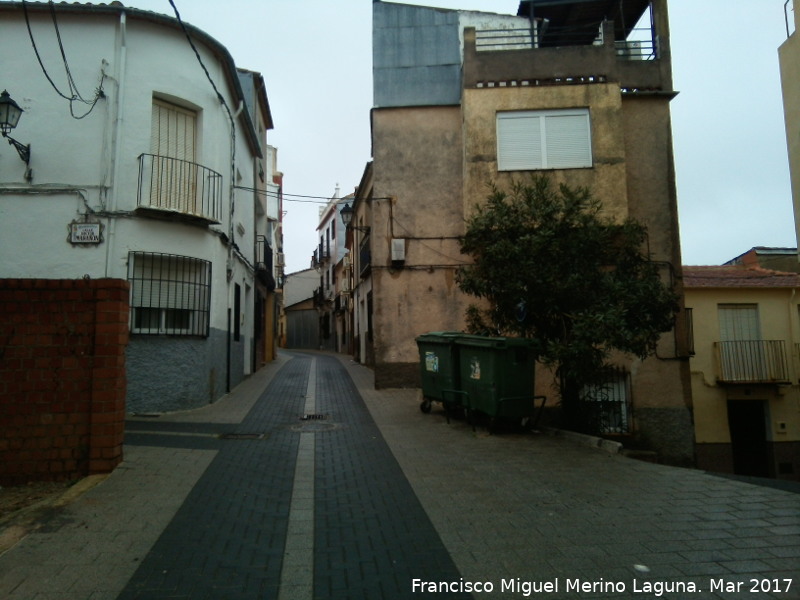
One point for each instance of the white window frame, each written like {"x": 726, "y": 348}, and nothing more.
{"x": 544, "y": 139}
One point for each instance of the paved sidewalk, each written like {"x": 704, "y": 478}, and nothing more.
{"x": 541, "y": 510}
{"x": 243, "y": 499}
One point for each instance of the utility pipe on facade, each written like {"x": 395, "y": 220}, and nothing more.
{"x": 116, "y": 137}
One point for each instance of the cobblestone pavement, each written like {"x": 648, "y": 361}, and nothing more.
{"x": 367, "y": 497}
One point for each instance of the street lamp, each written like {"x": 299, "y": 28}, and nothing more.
{"x": 347, "y": 218}
{"x": 10, "y": 112}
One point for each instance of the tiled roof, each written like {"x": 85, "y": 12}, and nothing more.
{"x": 737, "y": 276}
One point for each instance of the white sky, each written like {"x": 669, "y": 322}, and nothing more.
{"x": 729, "y": 138}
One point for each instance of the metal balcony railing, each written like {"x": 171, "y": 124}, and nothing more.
{"x": 264, "y": 262}
{"x": 179, "y": 186}
{"x": 364, "y": 257}
{"x": 752, "y": 361}
{"x": 641, "y": 45}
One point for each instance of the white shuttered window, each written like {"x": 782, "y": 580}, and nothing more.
{"x": 173, "y": 131}
{"x": 738, "y": 322}
{"x": 544, "y": 139}
{"x": 173, "y": 142}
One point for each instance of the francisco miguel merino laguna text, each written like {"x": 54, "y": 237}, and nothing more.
{"x": 528, "y": 588}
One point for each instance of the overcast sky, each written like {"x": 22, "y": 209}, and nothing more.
{"x": 729, "y": 138}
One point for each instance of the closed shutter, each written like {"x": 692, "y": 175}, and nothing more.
{"x": 568, "y": 144}
{"x": 173, "y": 142}
{"x": 547, "y": 139}
{"x": 174, "y": 131}
{"x": 742, "y": 353}
{"x": 519, "y": 142}
{"x": 738, "y": 322}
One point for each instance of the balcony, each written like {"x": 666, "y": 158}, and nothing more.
{"x": 573, "y": 42}
{"x": 179, "y": 188}
{"x": 492, "y": 40}
{"x": 752, "y": 361}
{"x": 264, "y": 262}
{"x": 364, "y": 257}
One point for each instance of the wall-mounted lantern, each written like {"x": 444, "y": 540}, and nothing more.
{"x": 10, "y": 112}
{"x": 347, "y": 218}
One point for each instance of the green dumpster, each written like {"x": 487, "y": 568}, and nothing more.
{"x": 497, "y": 375}
{"x": 438, "y": 361}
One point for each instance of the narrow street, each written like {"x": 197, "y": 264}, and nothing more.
{"x": 305, "y": 482}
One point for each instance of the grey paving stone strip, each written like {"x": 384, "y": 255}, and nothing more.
{"x": 372, "y": 537}
{"x": 228, "y": 538}
{"x": 297, "y": 573}
{"x": 319, "y": 509}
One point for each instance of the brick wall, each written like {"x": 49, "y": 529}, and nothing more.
{"x": 62, "y": 377}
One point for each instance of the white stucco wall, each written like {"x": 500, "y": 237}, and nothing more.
{"x": 88, "y": 168}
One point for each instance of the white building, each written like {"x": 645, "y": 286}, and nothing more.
{"x": 329, "y": 261}
{"x": 148, "y": 163}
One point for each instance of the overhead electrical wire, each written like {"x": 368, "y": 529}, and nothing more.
{"x": 224, "y": 103}
{"x": 200, "y": 60}
{"x": 74, "y": 93}
{"x": 291, "y": 198}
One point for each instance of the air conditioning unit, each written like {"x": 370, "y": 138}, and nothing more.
{"x": 398, "y": 251}
{"x": 630, "y": 50}
{"x": 280, "y": 260}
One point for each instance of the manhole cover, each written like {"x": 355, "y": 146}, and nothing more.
{"x": 313, "y": 427}
{"x": 243, "y": 436}
{"x": 313, "y": 417}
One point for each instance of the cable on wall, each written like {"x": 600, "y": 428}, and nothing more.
{"x": 224, "y": 103}
{"x": 74, "y": 93}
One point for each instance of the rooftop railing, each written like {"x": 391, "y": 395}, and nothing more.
{"x": 639, "y": 46}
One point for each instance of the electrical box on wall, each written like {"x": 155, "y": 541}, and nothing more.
{"x": 398, "y": 252}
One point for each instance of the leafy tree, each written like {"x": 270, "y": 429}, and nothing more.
{"x": 555, "y": 269}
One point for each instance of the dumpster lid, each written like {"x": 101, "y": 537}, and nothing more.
{"x": 484, "y": 341}
{"x": 439, "y": 336}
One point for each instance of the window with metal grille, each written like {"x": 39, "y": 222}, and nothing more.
{"x": 170, "y": 294}
{"x": 544, "y": 139}
{"x": 606, "y": 406}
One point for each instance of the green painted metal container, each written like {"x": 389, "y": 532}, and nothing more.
{"x": 497, "y": 375}
{"x": 439, "y": 367}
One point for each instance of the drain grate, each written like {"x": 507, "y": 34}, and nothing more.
{"x": 243, "y": 436}
{"x": 313, "y": 417}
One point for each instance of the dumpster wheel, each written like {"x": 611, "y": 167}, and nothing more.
{"x": 425, "y": 406}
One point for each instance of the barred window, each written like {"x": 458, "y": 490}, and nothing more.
{"x": 170, "y": 295}
{"x": 606, "y": 407}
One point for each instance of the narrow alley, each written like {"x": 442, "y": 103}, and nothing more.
{"x": 305, "y": 482}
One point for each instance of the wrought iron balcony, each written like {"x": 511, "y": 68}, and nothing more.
{"x": 179, "y": 187}
{"x": 364, "y": 257}
{"x": 752, "y": 361}
{"x": 264, "y": 262}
